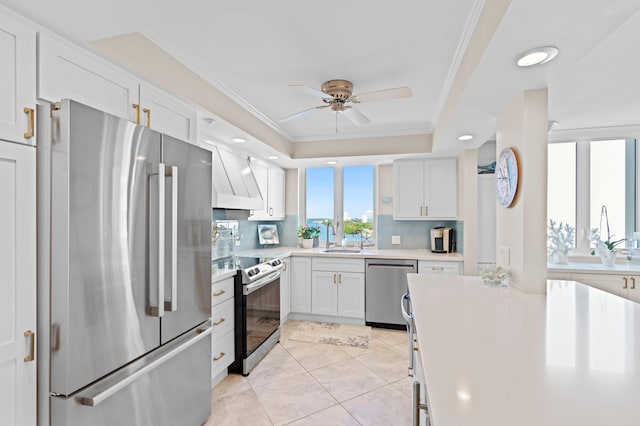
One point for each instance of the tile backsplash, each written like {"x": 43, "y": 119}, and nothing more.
{"x": 248, "y": 230}
{"x": 414, "y": 234}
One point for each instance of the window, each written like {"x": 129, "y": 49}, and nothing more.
{"x": 584, "y": 176}
{"x": 342, "y": 196}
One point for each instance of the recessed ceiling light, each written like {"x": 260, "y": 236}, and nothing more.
{"x": 332, "y": 162}
{"x": 238, "y": 140}
{"x": 208, "y": 120}
{"x": 539, "y": 55}
{"x": 273, "y": 157}
{"x": 466, "y": 137}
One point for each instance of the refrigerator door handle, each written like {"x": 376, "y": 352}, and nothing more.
{"x": 172, "y": 305}
{"x": 102, "y": 391}
{"x": 158, "y": 311}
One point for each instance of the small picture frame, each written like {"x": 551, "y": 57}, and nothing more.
{"x": 268, "y": 234}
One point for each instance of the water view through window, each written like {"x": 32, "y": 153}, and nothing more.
{"x": 357, "y": 217}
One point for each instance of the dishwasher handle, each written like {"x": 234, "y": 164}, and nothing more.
{"x": 389, "y": 266}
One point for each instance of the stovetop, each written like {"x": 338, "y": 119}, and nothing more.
{"x": 252, "y": 268}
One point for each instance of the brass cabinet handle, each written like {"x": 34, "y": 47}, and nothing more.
{"x": 633, "y": 283}
{"x": 270, "y": 211}
{"x": 334, "y": 278}
{"x": 222, "y": 354}
{"x": 285, "y": 266}
{"x": 218, "y": 293}
{"x": 32, "y": 343}
{"x": 218, "y": 322}
{"x": 339, "y": 278}
{"x": 625, "y": 282}
{"x": 137, "y": 108}
{"x": 420, "y": 210}
{"x": 148, "y": 112}
{"x": 30, "y": 113}
{"x": 426, "y": 210}
{"x": 439, "y": 268}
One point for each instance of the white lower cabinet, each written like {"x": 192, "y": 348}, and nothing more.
{"x": 300, "y": 285}
{"x": 627, "y": 286}
{"x": 338, "y": 292}
{"x": 222, "y": 320}
{"x": 285, "y": 290}
{"x": 437, "y": 267}
{"x": 17, "y": 284}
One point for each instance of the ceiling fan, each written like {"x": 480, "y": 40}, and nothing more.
{"x": 337, "y": 94}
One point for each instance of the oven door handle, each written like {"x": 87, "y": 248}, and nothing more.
{"x": 250, "y": 288}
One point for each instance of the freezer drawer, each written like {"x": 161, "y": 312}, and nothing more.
{"x": 170, "y": 386}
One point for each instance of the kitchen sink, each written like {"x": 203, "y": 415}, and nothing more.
{"x": 341, "y": 250}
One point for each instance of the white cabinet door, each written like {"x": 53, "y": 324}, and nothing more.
{"x": 441, "y": 185}
{"x": 614, "y": 284}
{"x": 66, "y": 71}
{"x": 285, "y": 290}
{"x": 17, "y": 81}
{"x": 324, "y": 293}
{"x": 301, "y": 284}
{"x": 276, "y": 193}
{"x": 351, "y": 295}
{"x": 425, "y": 189}
{"x": 271, "y": 183}
{"x": 486, "y": 219}
{"x": 408, "y": 181}
{"x": 17, "y": 283}
{"x": 167, "y": 114}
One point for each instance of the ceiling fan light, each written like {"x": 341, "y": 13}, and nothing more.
{"x": 537, "y": 56}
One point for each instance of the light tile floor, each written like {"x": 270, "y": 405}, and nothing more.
{"x": 301, "y": 383}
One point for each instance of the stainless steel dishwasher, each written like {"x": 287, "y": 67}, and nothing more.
{"x": 385, "y": 283}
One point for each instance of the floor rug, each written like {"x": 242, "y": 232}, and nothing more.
{"x": 333, "y": 334}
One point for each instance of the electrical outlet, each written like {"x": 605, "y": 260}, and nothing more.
{"x": 503, "y": 256}
{"x": 396, "y": 239}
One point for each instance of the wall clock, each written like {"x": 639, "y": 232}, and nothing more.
{"x": 507, "y": 177}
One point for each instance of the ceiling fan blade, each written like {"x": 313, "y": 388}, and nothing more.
{"x": 311, "y": 91}
{"x": 355, "y": 116}
{"x": 383, "y": 95}
{"x": 300, "y": 114}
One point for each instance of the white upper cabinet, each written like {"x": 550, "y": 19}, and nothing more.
{"x": 271, "y": 180}
{"x": 17, "y": 81}
{"x": 167, "y": 114}
{"x": 66, "y": 71}
{"x": 425, "y": 189}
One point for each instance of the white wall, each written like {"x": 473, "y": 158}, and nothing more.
{"x": 521, "y": 229}
{"x": 468, "y": 207}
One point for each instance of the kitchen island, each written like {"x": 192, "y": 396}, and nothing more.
{"x": 496, "y": 356}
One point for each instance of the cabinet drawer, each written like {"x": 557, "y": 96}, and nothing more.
{"x": 431, "y": 267}
{"x": 221, "y": 291}
{"x": 334, "y": 264}
{"x": 222, "y": 317}
{"x": 222, "y": 353}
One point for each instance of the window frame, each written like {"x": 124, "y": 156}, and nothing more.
{"x": 338, "y": 200}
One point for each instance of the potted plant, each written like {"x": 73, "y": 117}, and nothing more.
{"x": 308, "y": 233}
{"x": 560, "y": 239}
{"x": 606, "y": 249}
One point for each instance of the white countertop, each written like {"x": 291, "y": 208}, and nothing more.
{"x": 619, "y": 268}
{"x": 418, "y": 254}
{"x": 499, "y": 357}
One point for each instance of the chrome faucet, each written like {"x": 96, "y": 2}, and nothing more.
{"x": 361, "y": 240}
{"x": 333, "y": 231}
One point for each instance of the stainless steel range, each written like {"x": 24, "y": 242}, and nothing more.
{"x": 257, "y": 310}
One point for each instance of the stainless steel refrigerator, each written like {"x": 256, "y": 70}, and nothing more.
{"x": 130, "y": 277}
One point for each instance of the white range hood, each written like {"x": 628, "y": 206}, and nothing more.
{"x": 234, "y": 185}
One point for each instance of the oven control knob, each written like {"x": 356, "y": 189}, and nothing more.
{"x": 276, "y": 262}
{"x": 256, "y": 270}
{"x": 250, "y": 272}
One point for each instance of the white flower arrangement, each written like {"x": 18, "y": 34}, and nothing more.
{"x": 494, "y": 274}
{"x": 560, "y": 239}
